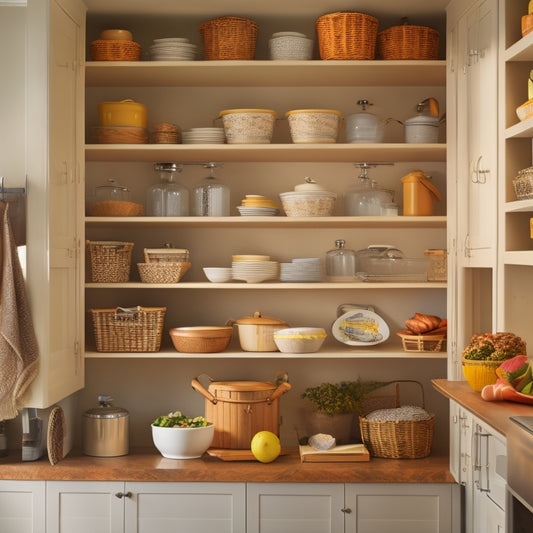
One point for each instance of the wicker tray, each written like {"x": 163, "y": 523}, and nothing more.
{"x": 346, "y": 35}
{"x": 137, "y": 329}
{"x": 165, "y": 272}
{"x": 408, "y": 42}
{"x": 110, "y": 261}
{"x": 229, "y": 38}
{"x": 166, "y": 255}
{"x": 401, "y": 439}
{"x": 110, "y": 50}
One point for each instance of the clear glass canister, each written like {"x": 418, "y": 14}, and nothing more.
{"x": 340, "y": 263}
{"x": 167, "y": 198}
{"x": 437, "y": 268}
{"x": 211, "y": 197}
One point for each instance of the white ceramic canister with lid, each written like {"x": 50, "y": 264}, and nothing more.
{"x": 422, "y": 129}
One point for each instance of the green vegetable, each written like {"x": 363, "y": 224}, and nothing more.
{"x": 177, "y": 420}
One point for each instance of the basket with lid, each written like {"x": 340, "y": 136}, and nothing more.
{"x": 239, "y": 409}
{"x": 407, "y": 41}
{"x": 404, "y": 432}
{"x": 109, "y": 261}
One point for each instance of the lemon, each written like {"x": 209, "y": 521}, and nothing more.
{"x": 265, "y": 446}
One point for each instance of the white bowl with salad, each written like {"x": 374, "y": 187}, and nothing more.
{"x": 177, "y": 436}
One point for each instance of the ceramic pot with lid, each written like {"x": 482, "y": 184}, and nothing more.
{"x": 364, "y": 127}
{"x": 256, "y": 333}
{"x": 105, "y": 430}
{"x": 424, "y": 126}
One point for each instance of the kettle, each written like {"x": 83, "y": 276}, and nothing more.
{"x": 364, "y": 127}
{"x": 424, "y": 127}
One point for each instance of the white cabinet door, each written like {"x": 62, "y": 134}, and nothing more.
{"x": 84, "y": 507}
{"x": 477, "y": 136}
{"x": 22, "y": 506}
{"x": 55, "y": 107}
{"x": 188, "y": 507}
{"x": 402, "y": 508}
{"x": 295, "y": 508}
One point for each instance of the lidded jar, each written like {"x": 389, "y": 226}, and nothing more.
{"x": 113, "y": 191}
{"x": 340, "y": 263}
{"x": 167, "y": 198}
{"x": 366, "y": 198}
{"x": 364, "y": 127}
{"x": 211, "y": 197}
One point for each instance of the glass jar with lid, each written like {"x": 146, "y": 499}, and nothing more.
{"x": 167, "y": 198}
{"x": 340, "y": 263}
{"x": 211, "y": 196}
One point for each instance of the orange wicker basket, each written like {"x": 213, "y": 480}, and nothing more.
{"x": 229, "y": 38}
{"x": 408, "y": 42}
{"x": 109, "y": 50}
{"x": 346, "y": 35}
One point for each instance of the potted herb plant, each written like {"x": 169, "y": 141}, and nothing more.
{"x": 335, "y": 406}
{"x": 485, "y": 353}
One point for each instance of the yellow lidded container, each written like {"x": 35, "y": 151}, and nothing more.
{"x": 124, "y": 113}
{"x": 419, "y": 194}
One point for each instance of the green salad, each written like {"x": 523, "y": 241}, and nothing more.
{"x": 178, "y": 420}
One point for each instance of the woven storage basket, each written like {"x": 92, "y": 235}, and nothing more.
{"x": 110, "y": 261}
{"x": 398, "y": 439}
{"x": 164, "y": 272}
{"x": 408, "y": 42}
{"x": 137, "y": 329}
{"x": 169, "y": 255}
{"x": 345, "y": 35}
{"x": 423, "y": 343}
{"x": 480, "y": 373}
{"x": 109, "y": 50}
{"x": 229, "y": 38}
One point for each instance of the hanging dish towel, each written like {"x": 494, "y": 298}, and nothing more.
{"x": 19, "y": 353}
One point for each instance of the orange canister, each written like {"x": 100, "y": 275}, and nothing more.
{"x": 419, "y": 194}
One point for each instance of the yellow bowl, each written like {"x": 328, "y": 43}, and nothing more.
{"x": 123, "y": 113}
{"x": 116, "y": 35}
{"x": 480, "y": 373}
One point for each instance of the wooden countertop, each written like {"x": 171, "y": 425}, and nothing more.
{"x": 148, "y": 465}
{"x": 496, "y": 414}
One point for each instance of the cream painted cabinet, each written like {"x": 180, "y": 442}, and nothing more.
{"x": 55, "y": 83}
{"x": 22, "y": 506}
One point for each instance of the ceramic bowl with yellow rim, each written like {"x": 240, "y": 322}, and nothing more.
{"x": 248, "y": 126}
{"x": 314, "y": 125}
{"x": 300, "y": 340}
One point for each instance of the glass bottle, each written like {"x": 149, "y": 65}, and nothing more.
{"x": 366, "y": 198}
{"x": 167, "y": 198}
{"x": 340, "y": 263}
{"x": 211, "y": 197}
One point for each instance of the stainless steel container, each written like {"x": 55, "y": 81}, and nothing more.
{"x": 105, "y": 430}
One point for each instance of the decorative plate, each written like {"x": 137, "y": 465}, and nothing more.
{"x": 360, "y": 327}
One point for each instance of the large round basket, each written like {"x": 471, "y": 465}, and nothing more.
{"x": 480, "y": 373}
{"x": 408, "y": 42}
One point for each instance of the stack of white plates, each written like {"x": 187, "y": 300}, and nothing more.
{"x": 203, "y": 136}
{"x": 306, "y": 269}
{"x": 257, "y": 205}
{"x": 172, "y": 49}
{"x": 255, "y": 271}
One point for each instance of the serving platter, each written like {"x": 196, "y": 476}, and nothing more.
{"x": 360, "y": 327}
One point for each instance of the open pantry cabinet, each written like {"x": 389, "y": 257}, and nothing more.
{"x": 192, "y": 94}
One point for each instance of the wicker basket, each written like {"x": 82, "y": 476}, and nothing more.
{"x": 138, "y": 329}
{"x": 480, "y": 373}
{"x": 423, "y": 343}
{"x": 523, "y": 184}
{"x": 229, "y": 38}
{"x": 110, "y": 261}
{"x": 162, "y": 272}
{"x": 401, "y": 439}
{"x": 109, "y": 50}
{"x": 166, "y": 255}
{"x": 345, "y": 35}
{"x": 408, "y": 42}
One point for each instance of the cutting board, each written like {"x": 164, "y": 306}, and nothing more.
{"x": 347, "y": 453}
{"x": 235, "y": 455}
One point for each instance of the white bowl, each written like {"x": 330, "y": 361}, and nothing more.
{"x": 299, "y": 340}
{"x": 182, "y": 443}
{"x": 218, "y": 274}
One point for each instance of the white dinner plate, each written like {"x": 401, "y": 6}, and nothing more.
{"x": 360, "y": 327}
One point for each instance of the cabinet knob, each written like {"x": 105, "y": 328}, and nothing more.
{"x": 120, "y": 495}
{"x": 346, "y": 510}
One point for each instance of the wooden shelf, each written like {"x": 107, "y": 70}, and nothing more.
{"x": 520, "y": 258}
{"x": 519, "y": 206}
{"x": 522, "y": 50}
{"x": 266, "y": 73}
{"x": 267, "y": 153}
{"x": 398, "y": 222}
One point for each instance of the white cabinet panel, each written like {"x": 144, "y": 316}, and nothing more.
{"x": 22, "y": 506}
{"x": 295, "y": 508}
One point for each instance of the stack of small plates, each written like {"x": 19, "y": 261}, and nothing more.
{"x": 203, "y": 136}
{"x": 254, "y": 268}
{"x": 257, "y": 205}
{"x": 306, "y": 269}
{"x": 172, "y": 49}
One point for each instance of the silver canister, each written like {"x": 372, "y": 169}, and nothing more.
{"x": 105, "y": 431}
